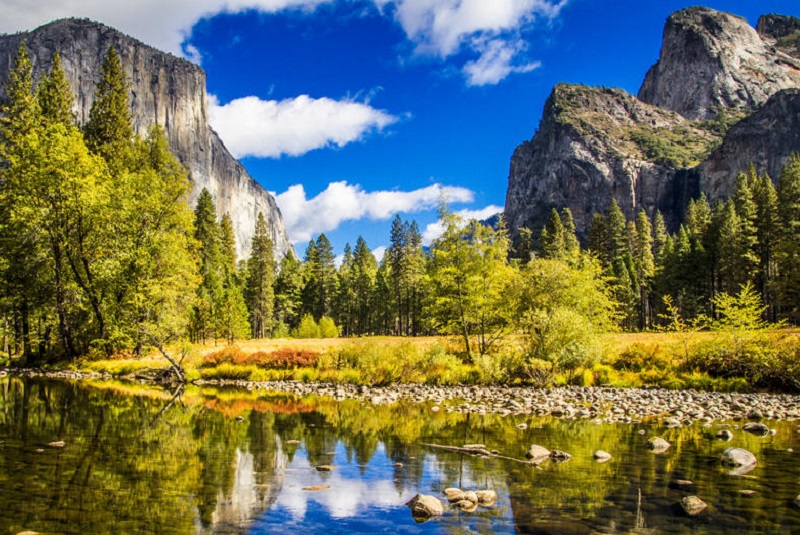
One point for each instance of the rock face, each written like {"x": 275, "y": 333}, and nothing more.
{"x": 722, "y": 96}
{"x": 586, "y": 153}
{"x": 163, "y": 89}
{"x": 711, "y": 60}
{"x": 766, "y": 139}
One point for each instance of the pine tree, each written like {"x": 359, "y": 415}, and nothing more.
{"x": 572, "y": 247}
{"x": 552, "y": 240}
{"x": 109, "y": 130}
{"x": 259, "y": 291}
{"x": 289, "y": 291}
{"x": 645, "y": 267}
{"x": 767, "y": 228}
{"x": 788, "y": 246}
{"x": 364, "y": 270}
{"x": 55, "y": 96}
{"x": 20, "y": 113}
{"x": 207, "y": 313}
{"x": 326, "y": 275}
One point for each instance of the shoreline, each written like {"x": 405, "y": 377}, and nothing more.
{"x": 601, "y": 404}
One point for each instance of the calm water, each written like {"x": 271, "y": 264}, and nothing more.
{"x": 137, "y": 460}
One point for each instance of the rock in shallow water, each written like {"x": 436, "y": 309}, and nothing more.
{"x": 738, "y": 457}
{"x": 658, "y": 444}
{"x": 756, "y": 428}
{"x": 424, "y": 507}
{"x": 601, "y": 456}
{"x": 692, "y": 505}
{"x": 537, "y": 453}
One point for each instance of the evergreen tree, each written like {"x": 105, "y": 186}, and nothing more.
{"x": 788, "y": 246}
{"x": 260, "y": 280}
{"x": 109, "y": 130}
{"x": 207, "y": 315}
{"x": 552, "y": 240}
{"x": 288, "y": 291}
{"x": 767, "y": 228}
{"x": 645, "y": 267}
{"x": 364, "y": 271}
{"x": 572, "y": 247}
{"x": 55, "y": 96}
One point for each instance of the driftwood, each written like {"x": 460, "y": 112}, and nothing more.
{"x": 478, "y": 450}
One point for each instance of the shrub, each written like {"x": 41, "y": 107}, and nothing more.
{"x": 327, "y": 328}
{"x": 307, "y": 328}
{"x": 281, "y": 330}
{"x": 226, "y": 355}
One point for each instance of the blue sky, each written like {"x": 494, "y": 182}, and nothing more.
{"x": 353, "y": 110}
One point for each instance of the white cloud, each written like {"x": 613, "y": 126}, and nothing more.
{"x": 164, "y": 24}
{"x": 436, "y": 229}
{"x": 439, "y": 28}
{"x": 250, "y": 126}
{"x": 495, "y": 63}
{"x": 378, "y": 252}
{"x": 341, "y": 202}
{"x": 489, "y": 28}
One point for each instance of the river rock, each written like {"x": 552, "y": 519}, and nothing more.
{"x": 692, "y": 505}
{"x": 673, "y": 423}
{"x": 424, "y": 506}
{"x": 681, "y": 484}
{"x": 537, "y": 453}
{"x": 796, "y": 500}
{"x": 57, "y": 444}
{"x": 471, "y": 496}
{"x": 738, "y": 457}
{"x": 466, "y": 505}
{"x": 317, "y": 487}
{"x": 658, "y": 444}
{"x": 725, "y": 434}
{"x": 486, "y": 497}
{"x": 756, "y": 428}
{"x": 324, "y": 468}
{"x": 560, "y": 456}
{"x": 454, "y": 495}
{"x": 754, "y": 414}
{"x": 601, "y": 456}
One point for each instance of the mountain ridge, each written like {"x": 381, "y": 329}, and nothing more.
{"x": 676, "y": 139}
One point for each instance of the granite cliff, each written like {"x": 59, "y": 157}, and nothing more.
{"x": 163, "y": 89}
{"x": 721, "y": 96}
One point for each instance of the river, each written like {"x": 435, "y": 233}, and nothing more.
{"x": 141, "y": 459}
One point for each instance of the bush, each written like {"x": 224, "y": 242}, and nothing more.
{"x": 307, "y": 328}
{"x": 327, "y": 328}
{"x": 281, "y": 330}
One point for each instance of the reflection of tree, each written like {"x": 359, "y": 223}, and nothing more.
{"x": 137, "y": 460}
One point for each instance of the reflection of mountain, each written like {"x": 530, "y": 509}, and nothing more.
{"x": 249, "y": 497}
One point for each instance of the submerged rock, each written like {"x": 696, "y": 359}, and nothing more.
{"x": 725, "y": 434}
{"x": 324, "y": 468}
{"x": 601, "y": 456}
{"x": 57, "y": 444}
{"x": 692, "y": 505}
{"x": 486, "y": 497}
{"x": 682, "y": 484}
{"x": 424, "y": 507}
{"x": 454, "y": 495}
{"x": 756, "y": 428}
{"x": 537, "y": 453}
{"x": 658, "y": 444}
{"x": 560, "y": 456}
{"x": 738, "y": 457}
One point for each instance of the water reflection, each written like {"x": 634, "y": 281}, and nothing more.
{"x": 143, "y": 460}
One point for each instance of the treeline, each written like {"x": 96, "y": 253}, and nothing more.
{"x": 751, "y": 240}
{"x": 96, "y": 241}
{"x": 100, "y": 252}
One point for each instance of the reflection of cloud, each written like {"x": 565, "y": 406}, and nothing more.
{"x": 347, "y": 497}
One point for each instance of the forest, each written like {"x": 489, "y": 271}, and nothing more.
{"x": 101, "y": 255}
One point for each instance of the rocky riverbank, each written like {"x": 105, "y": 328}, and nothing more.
{"x": 609, "y": 405}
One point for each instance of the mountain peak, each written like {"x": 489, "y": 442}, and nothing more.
{"x": 711, "y": 60}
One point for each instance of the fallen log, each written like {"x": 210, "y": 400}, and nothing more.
{"x": 477, "y": 451}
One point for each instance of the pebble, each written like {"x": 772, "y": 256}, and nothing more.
{"x": 612, "y": 405}
{"x": 601, "y": 456}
